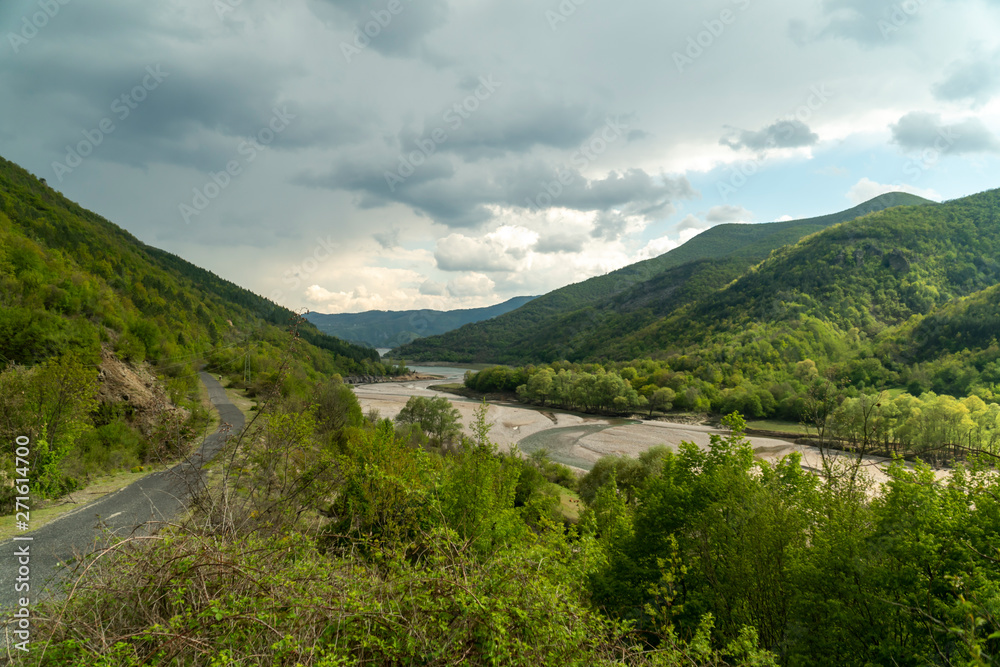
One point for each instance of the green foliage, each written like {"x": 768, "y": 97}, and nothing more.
{"x": 435, "y": 416}
{"x": 73, "y": 285}
{"x": 478, "y": 491}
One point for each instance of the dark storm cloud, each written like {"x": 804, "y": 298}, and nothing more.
{"x": 782, "y": 134}
{"x": 392, "y": 27}
{"x": 559, "y": 241}
{"x": 920, "y": 130}
{"x": 197, "y": 113}
{"x": 460, "y": 197}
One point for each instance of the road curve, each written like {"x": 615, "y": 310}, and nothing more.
{"x": 157, "y": 497}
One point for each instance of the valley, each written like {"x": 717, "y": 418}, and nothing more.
{"x": 577, "y": 440}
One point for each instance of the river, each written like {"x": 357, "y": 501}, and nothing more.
{"x": 570, "y": 438}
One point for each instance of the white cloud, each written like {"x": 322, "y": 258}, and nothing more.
{"x": 500, "y": 250}
{"x": 728, "y": 213}
{"x": 657, "y": 247}
{"x": 433, "y": 288}
{"x": 471, "y": 284}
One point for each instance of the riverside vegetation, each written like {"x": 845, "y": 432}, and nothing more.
{"x": 332, "y": 540}
{"x": 325, "y": 536}
{"x": 883, "y": 327}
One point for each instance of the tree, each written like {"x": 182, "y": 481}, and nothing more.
{"x": 661, "y": 399}
{"x": 436, "y": 416}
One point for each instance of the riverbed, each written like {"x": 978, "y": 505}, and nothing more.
{"x": 572, "y": 439}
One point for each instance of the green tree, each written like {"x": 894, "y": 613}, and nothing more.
{"x": 436, "y": 416}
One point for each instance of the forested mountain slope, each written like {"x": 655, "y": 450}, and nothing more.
{"x": 860, "y": 277}
{"x": 70, "y": 278}
{"x": 381, "y": 328}
{"x": 565, "y": 323}
{"x": 101, "y": 338}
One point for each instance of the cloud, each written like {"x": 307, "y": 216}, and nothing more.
{"x": 727, "y": 213}
{"x": 975, "y": 79}
{"x": 657, "y": 247}
{"x": 560, "y": 241}
{"x": 691, "y": 221}
{"x": 715, "y": 216}
{"x": 462, "y": 195}
{"x": 400, "y": 35}
{"x": 867, "y": 189}
{"x": 388, "y": 239}
{"x": 432, "y": 288}
{"x": 919, "y": 130}
{"x": 863, "y": 21}
{"x": 782, "y": 134}
{"x": 501, "y": 250}
{"x": 472, "y": 284}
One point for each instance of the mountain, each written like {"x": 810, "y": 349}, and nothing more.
{"x": 867, "y": 275}
{"x": 570, "y": 322}
{"x": 72, "y": 280}
{"x": 380, "y": 328}
{"x": 102, "y": 338}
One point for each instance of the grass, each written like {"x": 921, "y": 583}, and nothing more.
{"x": 569, "y": 503}
{"x": 775, "y": 425}
{"x": 245, "y": 405}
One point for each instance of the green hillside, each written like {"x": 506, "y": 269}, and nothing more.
{"x": 380, "y": 328}
{"x": 68, "y": 272}
{"x": 101, "y": 337}
{"x": 558, "y": 325}
{"x": 861, "y": 276}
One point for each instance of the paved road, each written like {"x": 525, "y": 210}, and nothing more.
{"x": 158, "y": 497}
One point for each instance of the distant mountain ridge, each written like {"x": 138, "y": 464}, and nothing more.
{"x": 574, "y": 322}
{"x": 381, "y": 328}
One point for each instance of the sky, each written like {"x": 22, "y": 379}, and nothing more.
{"x": 352, "y": 155}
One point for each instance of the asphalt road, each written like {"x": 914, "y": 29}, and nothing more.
{"x": 157, "y": 497}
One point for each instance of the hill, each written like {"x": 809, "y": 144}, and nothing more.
{"x": 380, "y": 328}
{"x": 865, "y": 276}
{"x": 101, "y": 337}
{"x": 558, "y": 324}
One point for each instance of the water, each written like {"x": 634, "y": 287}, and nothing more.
{"x": 450, "y": 373}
